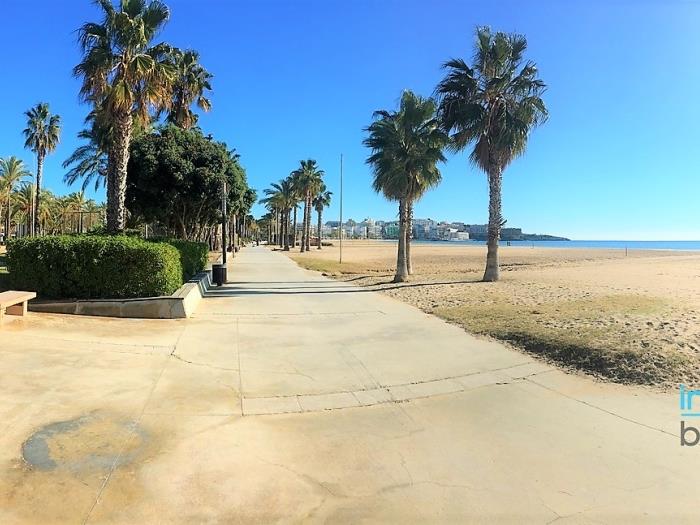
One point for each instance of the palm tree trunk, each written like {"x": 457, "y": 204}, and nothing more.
{"x": 409, "y": 235}
{"x": 494, "y": 230}
{"x": 308, "y": 223}
{"x": 232, "y": 240}
{"x": 116, "y": 173}
{"x": 401, "y": 269}
{"x": 8, "y": 222}
{"x": 319, "y": 228}
{"x": 294, "y": 231}
{"x": 278, "y": 228}
{"x": 286, "y": 230}
{"x": 37, "y": 198}
{"x": 303, "y": 225}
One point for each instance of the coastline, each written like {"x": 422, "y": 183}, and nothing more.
{"x": 670, "y": 246}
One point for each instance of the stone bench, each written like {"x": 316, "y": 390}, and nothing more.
{"x": 14, "y": 303}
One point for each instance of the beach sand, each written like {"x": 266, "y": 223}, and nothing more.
{"x": 628, "y": 318}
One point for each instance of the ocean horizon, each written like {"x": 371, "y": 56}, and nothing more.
{"x": 599, "y": 244}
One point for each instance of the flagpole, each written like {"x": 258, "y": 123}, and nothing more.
{"x": 340, "y": 226}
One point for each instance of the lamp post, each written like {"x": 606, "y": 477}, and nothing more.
{"x": 340, "y": 226}
{"x": 224, "y": 222}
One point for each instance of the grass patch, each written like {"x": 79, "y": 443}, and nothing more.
{"x": 329, "y": 267}
{"x": 587, "y": 334}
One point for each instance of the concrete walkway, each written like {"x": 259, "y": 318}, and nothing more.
{"x": 293, "y": 398}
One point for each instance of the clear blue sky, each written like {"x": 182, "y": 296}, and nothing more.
{"x": 618, "y": 159}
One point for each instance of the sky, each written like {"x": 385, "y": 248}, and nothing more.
{"x": 619, "y": 157}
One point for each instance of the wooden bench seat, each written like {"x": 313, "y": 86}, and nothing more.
{"x": 14, "y": 303}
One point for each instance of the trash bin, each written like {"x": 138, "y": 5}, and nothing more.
{"x": 218, "y": 274}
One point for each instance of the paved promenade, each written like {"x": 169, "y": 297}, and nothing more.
{"x": 289, "y": 397}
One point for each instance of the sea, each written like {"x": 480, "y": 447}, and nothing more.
{"x": 609, "y": 245}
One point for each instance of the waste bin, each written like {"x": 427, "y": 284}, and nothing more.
{"x": 218, "y": 274}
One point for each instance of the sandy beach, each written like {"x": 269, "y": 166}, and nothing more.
{"x": 628, "y": 318}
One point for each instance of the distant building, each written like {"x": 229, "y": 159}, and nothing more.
{"x": 390, "y": 230}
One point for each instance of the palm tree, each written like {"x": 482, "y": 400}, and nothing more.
{"x": 191, "y": 80}
{"x": 42, "y": 135}
{"x": 125, "y": 77}
{"x": 321, "y": 200}
{"x": 89, "y": 161}
{"x": 299, "y": 196}
{"x": 281, "y": 197}
{"x": 309, "y": 180}
{"x": 492, "y": 105}
{"x": 406, "y": 148}
{"x": 24, "y": 202}
{"x": 12, "y": 172}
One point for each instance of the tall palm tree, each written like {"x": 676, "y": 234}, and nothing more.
{"x": 127, "y": 77}
{"x": 12, "y": 172}
{"x": 321, "y": 200}
{"x": 299, "y": 196}
{"x": 42, "y": 135}
{"x": 281, "y": 197}
{"x": 406, "y": 147}
{"x": 191, "y": 81}
{"x": 492, "y": 105}
{"x": 310, "y": 178}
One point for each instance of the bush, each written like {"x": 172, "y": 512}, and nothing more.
{"x": 93, "y": 267}
{"x": 4, "y": 281}
{"x": 193, "y": 255}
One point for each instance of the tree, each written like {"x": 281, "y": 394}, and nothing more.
{"x": 89, "y": 161}
{"x": 310, "y": 178}
{"x": 282, "y": 198}
{"x": 299, "y": 195}
{"x": 492, "y": 105}
{"x": 42, "y": 135}
{"x": 12, "y": 172}
{"x": 126, "y": 77}
{"x": 321, "y": 200}
{"x": 175, "y": 180}
{"x": 406, "y": 148}
{"x": 24, "y": 197}
{"x": 191, "y": 81}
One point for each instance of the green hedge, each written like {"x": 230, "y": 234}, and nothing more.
{"x": 93, "y": 267}
{"x": 193, "y": 255}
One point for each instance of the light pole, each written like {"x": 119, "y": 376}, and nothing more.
{"x": 340, "y": 226}
{"x": 224, "y": 221}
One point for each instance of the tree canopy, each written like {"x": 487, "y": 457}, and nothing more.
{"x": 175, "y": 179}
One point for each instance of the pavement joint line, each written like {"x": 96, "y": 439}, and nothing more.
{"x": 601, "y": 409}
{"x": 102, "y": 343}
{"x": 381, "y": 386}
{"x": 240, "y": 371}
{"x": 132, "y": 432}
{"x": 222, "y": 314}
{"x": 392, "y": 398}
{"x": 206, "y": 365}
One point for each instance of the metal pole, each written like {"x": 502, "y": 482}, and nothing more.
{"x": 340, "y": 226}
{"x": 224, "y": 220}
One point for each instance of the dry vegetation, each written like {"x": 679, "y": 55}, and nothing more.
{"x": 633, "y": 319}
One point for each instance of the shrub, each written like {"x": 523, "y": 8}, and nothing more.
{"x": 193, "y": 255}
{"x": 93, "y": 267}
{"x": 4, "y": 281}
